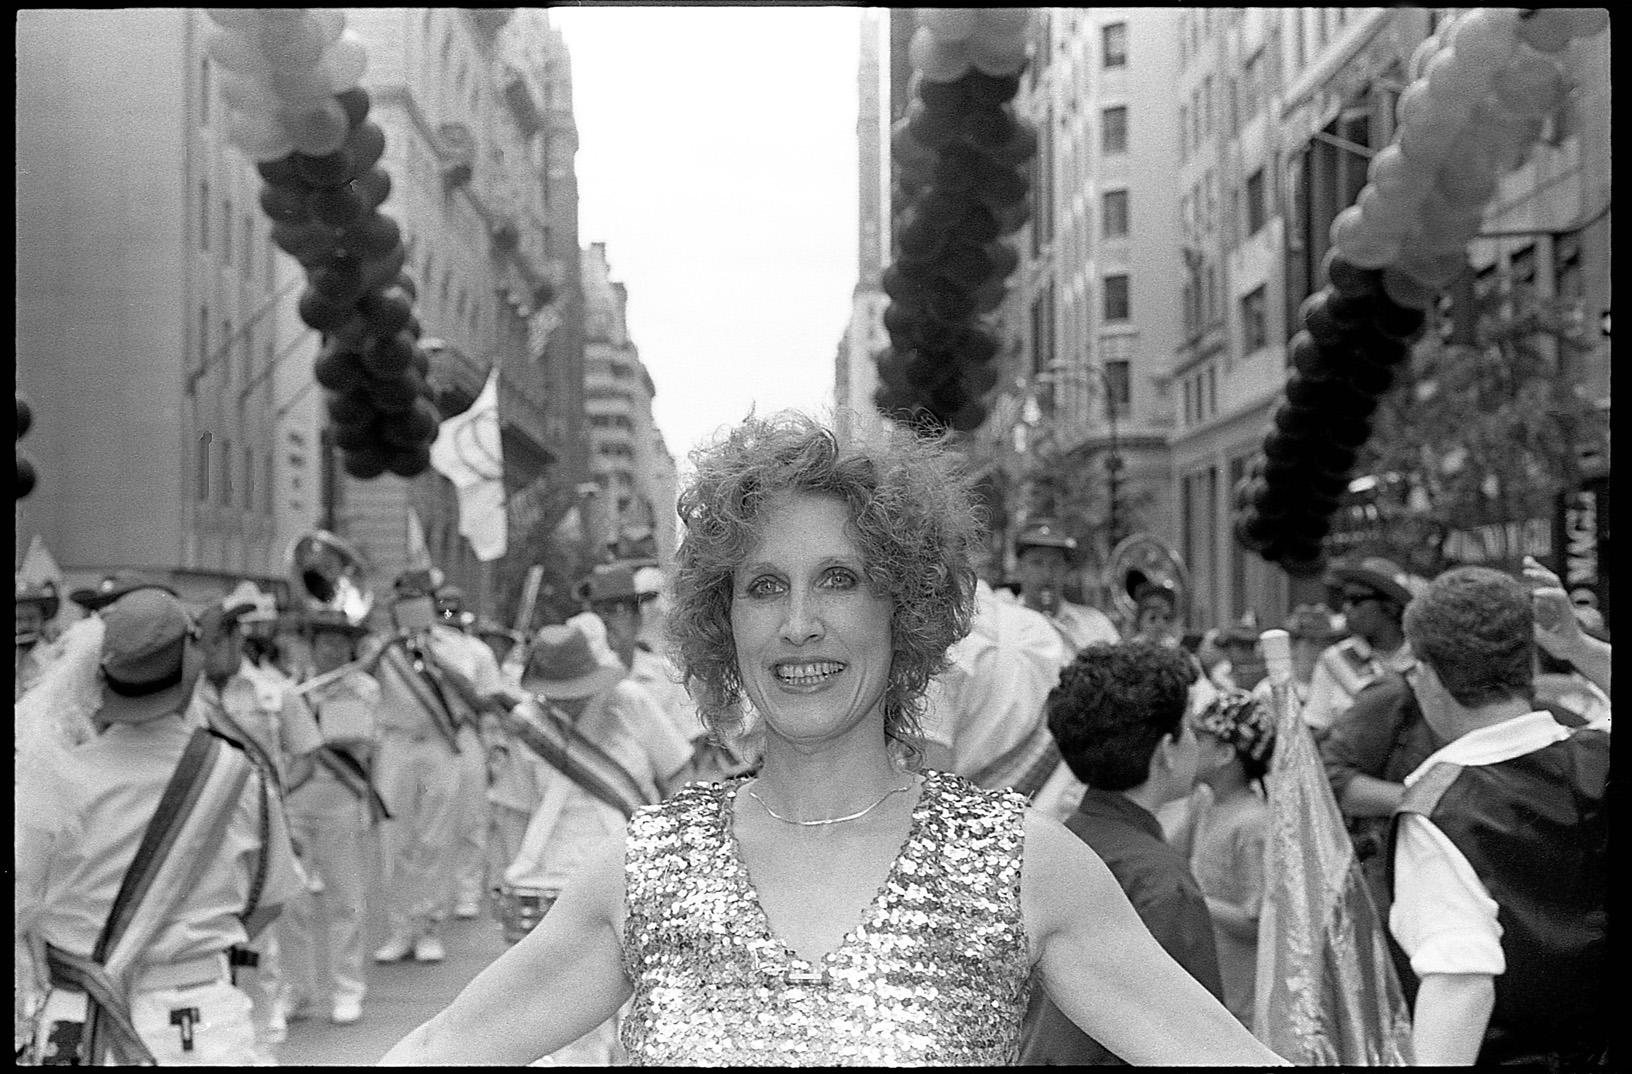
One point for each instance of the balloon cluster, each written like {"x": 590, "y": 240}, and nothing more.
{"x": 296, "y": 109}
{"x": 1480, "y": 92}
{"x": 961, "y": 153}
{"x": 1356, "y": 335}
{"x": 25, "y": 467}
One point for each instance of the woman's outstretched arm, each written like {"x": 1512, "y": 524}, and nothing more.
{"x": 1104, "y": 970}
{"x": 559, "y": 982}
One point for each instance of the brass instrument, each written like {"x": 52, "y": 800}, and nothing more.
{"x": 330, "y": 575}
{"x": 1145, "y": 559}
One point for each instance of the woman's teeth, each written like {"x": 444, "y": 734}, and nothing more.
{"x": 807, "y": 674}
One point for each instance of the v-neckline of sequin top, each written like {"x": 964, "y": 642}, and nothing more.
{"x": 875, "y": 905}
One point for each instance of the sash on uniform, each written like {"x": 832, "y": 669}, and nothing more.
{"x": 187, "y": 828}
{"x": 354, "y": 776}
{"x": 422, "y": 685}
{"x": 558, "y": 743}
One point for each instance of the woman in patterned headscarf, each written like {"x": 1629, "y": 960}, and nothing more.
{"x": 843, "y": 905}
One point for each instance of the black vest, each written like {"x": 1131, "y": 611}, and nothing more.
{"x": 1536, "y": 831}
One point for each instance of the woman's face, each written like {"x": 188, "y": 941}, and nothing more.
{"x": 813, "y": 642}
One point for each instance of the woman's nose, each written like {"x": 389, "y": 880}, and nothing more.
{"x": 802, "y": 623}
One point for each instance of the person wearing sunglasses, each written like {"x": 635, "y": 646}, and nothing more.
{"x": 1372, "y": 594}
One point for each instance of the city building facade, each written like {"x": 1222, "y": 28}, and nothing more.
{"x": 476, "y": 108}
{"x": 1091, "y": 320}
{"x": 629, "y": 460}
{"x": 156, "y": 333}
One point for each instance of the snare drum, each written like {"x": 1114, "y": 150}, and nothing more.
{"x": 522, "y": 907}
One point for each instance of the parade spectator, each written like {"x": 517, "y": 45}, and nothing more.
{"x": 1567, "y": 633}
{"x": 1226, "y": 832}
{"x": 427, "y": 727}
{"x": 113, "y": 586}
{"x": 1046, "y": 553}
{"x": 1241, "y": 663}
{"x": 824, "y": 581}
{"x": 1119, "y": 716}
{"x": 137, "y": 943}
{"x": 1500, "y": 851}
{"x": 985, "y": 712}
{"x": 333, "y": 809}
{"x": 1372, "y": 595}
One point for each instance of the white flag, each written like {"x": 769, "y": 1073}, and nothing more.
{"x": 467, "y": 452}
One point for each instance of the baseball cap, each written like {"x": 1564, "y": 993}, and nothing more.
{"x": 148, "y": 667}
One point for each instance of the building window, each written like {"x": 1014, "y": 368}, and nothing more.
{"x": 249, "y": 479}
{"x": 226, "y": 348}
{"x": 226, "y": 230}
{"x": 1184, "y": 130}
{"x": 1255, "y": 207}
{"x": 1118, "y": 301}
{"x": 226, "y": 473}
{"x": 1212, "y": 294}
{"x": 1207, "y": 106}
{"x": 1255, "y": 319}
{"x": 1118, "y": 387}
{"x": 246, "y": 266}
{"x": 204, "y": 215}
{"x": 1113, "y": 130}
{"x": 1252, "y": 86}
{"x": 1323, "y": 30}
{"x": 249, "y": 353}
{"x": 266, "y": 485}
{"x": 1195, "y": 119}
{"x": 1114, "y": 39}
{"x": 1300, "y": 47}
{"x": 1114, "y": 214}
{"x": 1212, "y": 390}
{"x": 204, "y": 91}
{"x": 203, "y": 337}
{"x": 203, "y": 474}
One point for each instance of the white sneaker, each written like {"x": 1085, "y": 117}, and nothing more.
{"x": 429, "y": 949}
{"x": 347, "y": 1009}
{"x": 395, "y": 949}
{"x": 468, "y": 908}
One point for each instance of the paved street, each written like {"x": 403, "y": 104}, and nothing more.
{"x": 400, "y": 997}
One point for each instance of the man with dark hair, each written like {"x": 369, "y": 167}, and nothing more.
{"x": 1118, "y": 715}
{"x": 1499, "y": 858}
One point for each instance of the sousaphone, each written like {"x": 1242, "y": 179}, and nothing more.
{"x": 1145, "y": 559}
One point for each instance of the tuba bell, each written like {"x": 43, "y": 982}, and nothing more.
{"x": 329, "y": 575}
{"x": 1141, "y": 561}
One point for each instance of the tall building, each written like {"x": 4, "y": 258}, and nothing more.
{"x": 855, "y": 368}
{"x": 156, "y": 334}
{"x": 1091, "y": 320}
{"x": 479, "y": 145}
{"x": 629, "y": 460}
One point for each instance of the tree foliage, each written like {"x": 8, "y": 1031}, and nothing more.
{"x": 1479, "y": 432}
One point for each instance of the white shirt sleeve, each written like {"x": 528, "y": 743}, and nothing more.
{"x": 1442, "y": 915}
{"x": 1324, "y": 694}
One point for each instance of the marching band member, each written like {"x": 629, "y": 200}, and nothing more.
{"x": 333, "y": 808}
{"x": 37, "y": 605}
{"x": 427, "y": 725}
{"x": 144, "y": 855}
{"x": 470, "y": 845}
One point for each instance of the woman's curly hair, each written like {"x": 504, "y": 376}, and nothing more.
{"x": 912, "y": 518}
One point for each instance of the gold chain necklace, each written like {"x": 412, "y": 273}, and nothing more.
{"x": 832, "y": 820}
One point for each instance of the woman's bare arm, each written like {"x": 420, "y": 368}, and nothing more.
{"x": 1104, "y": 970}
{"x": 559, "y": 982}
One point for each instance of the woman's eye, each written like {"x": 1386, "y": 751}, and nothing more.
{"x": 839, "y": 579}
{"x": 763, "y": 587}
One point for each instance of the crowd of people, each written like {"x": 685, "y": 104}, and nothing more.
{"x": 822, "y": 794}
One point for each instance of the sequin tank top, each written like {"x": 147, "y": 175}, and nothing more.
{"x": 936, "y": 972}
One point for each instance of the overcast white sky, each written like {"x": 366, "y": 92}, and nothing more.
{"x": 717, "y": 161}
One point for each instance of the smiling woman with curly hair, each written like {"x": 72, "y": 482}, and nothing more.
{"x": 913, "y": 522}
{"x": 843, "y": 905}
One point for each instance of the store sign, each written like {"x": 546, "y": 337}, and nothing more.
{"x": 1582, "y": 540}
